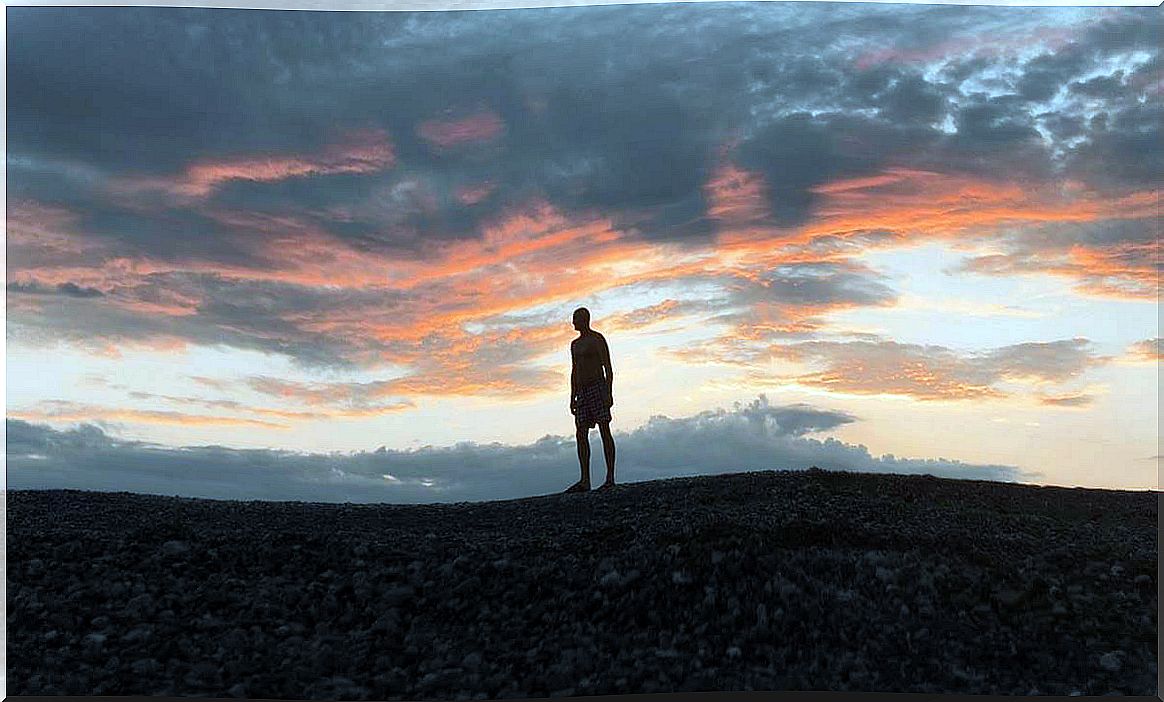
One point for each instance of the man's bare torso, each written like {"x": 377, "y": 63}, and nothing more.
{"x": 586, "y": 352}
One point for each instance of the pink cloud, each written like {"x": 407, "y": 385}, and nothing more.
{"x": 968, "y": 46}
{"x": 473, "y": 194}
{"x": 483, "y": 126}
{"x": 360, "y": 151}
{"x": 736, "y": 196}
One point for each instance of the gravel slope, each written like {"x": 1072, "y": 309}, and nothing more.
{"x": 764, "y": 580}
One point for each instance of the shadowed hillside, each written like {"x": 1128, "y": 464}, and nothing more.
{"x": 766, "y": 581}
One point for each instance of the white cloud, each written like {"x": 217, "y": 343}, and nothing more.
{"x": 752, "y": 436}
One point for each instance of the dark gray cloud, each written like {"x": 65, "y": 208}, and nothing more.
{"x": 815, "y": 285}
{"x": 784, "y": 302}
{"x": 995, "y": 124}
{"x": 1062, "y": 127}
{"x": 1045, "y": 75}
{"x": 1110, "y": 87}
{"x": 752, "y": 436}
{"x": 67, "y": 289}
{"x": 911, "y": 98}
{"x": 797, "y": 153}
{"x": 1050, "y": 360}
{"x": 995, "y": 135}
{"x": 622, "y": 109}
{"x": 614, "y": 126}
{"x": 1123, "y": 149}
{"x": 792, "y": 293}
{"x": 144, "y": 89}
{"x": 1098, "y": 234}
{"x": 1123, "y": 32}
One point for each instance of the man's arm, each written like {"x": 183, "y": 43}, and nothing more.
{"x": 605, "y": 350}
{"x": 573, "y": 377}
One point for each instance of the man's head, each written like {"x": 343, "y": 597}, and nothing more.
{"x": 581, "y": 319}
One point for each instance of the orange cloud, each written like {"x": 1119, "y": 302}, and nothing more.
{"x": 44, "y": 228}
{"x": 536, "y": 256}
{"x": 636, "y": 319}
{"x": 917, "y": 380}
{"x": 62, "y": 411}
{"x": 216, "y": 383}
{"x": 292, "y": 250}
{"x": 1067, "y": 400}
{"x": 1127, "y": 270}
{"x": 927, "y": 373}
{"x": 135, "y": 295}
{"x": 157, "y": 300}
{"x": 533, "y": 256}
{"x": 361, "y": 151}
{"x": 890, "y": 177}
{"x": 909, "y": 205}
{"x": 415, "y": 312}
{"x": 1146, "y": 351}
{"x": 736, "y": 196}
{"x": 493, "y": 362}
{"x": 233, "y": 405}
{"x": 529, "y": 258}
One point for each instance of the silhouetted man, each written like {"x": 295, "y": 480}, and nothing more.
{"x": 591, "y": 396}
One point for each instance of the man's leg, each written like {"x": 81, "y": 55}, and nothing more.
{"x": 608, "y": 449}
{"x": 583, "y": 437}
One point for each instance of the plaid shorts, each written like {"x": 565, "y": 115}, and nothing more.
{"x": 593, "y": 405}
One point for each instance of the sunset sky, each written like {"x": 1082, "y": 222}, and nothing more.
{"x": 334, "y": 256}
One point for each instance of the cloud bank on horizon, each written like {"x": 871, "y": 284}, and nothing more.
{"x": 405, "y": 207}
{"x": 755, "y": 436}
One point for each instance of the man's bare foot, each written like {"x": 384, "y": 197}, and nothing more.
{"x": 607, "y": 485}
{"x": 580, "y": 486}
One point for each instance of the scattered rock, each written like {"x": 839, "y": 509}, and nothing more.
{"x": 816, "y": 580}
{"x": 145, "y": 666}
{"x": 173, "y": 549}
{"x": 1010, "y": 598}
{"x": 611, "y": 578}
{"x": 471, "y": 661}
{"x": 398, "y": 596}
{"x": 1112, "y": 661}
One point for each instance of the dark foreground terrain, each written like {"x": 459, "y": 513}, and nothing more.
{"x": 762, "y": 581}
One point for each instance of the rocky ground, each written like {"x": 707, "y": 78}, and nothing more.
{"x": 752, "y": 581}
